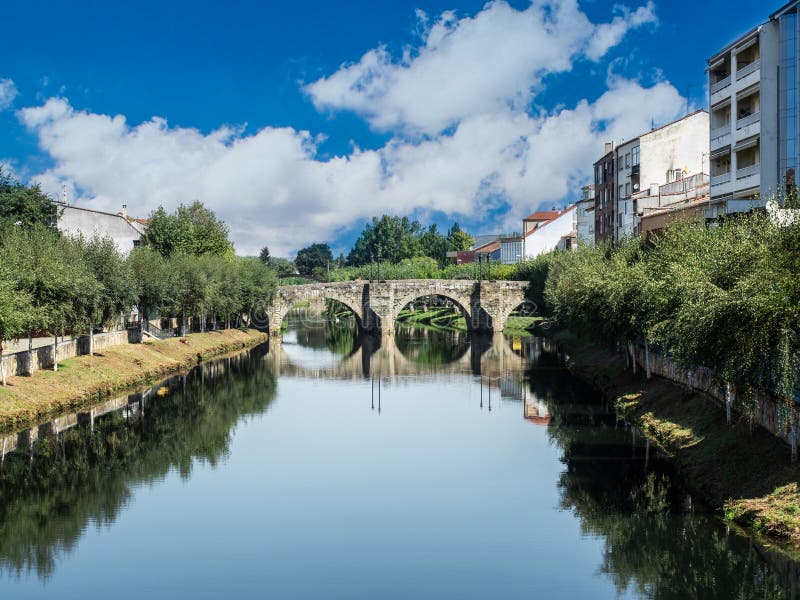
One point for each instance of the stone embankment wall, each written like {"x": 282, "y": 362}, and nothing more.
{"x": 776, "y": 416}
{"x": 18, "y": 363}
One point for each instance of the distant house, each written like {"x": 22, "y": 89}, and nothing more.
{"x": 549, "y": 235}
{"x": 511, "y": 249}
{"x": 537, "y": 219}
{"x": 485, "y": 245}
{"x": 585, "y": 216}
{"x": 126, "y": 232}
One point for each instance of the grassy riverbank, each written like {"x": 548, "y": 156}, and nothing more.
{"x": 85, "y": 380}
{"x": 746, "y": 475}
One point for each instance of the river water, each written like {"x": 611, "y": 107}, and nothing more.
{"x": 433, "y": 465}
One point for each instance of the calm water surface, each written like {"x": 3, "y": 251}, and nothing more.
{"x": 432, "y": 466}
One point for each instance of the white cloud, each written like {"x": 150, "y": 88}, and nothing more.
{"x": 494, "y": 60}
{"x": 474, "y": 76}
{"x": 272, "y": 189}
{"x": 8, "y": 91}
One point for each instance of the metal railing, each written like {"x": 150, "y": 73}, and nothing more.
{"x": 747, "y": 69}
{"x": 748, "y": 171}
{"x": 720, "y": 85}
{"x": 720, "y": 179}
{"x": 720, "y": 132}
{"x": 749, "y": 120}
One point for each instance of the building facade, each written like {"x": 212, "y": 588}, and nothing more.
{"x": 662, "y": 156}
{"x": 550, "y": 235}
{"x": 511, "y": 251}
{"x": 604, "y": 196}
{"x": 754, "y": 115}
{"x": 584, "y": 216}
{"x": 126, "y": 232}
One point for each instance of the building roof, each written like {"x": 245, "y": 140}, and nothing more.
{"x": 557, "y": 215}
{"x": 676, "y": 208}
{"x": 482, "y": 240}
{"x": 547, "y": 215}
{"x": 490, "y": 247}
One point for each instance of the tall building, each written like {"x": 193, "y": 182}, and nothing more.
{"x": 584, "y": 218}
{"x": 754, "y": 114}
{"x": 661, "y": 156}
{"x": 604, "y": 200}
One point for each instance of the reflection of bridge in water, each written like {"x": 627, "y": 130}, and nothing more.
{"x": 487, "y": 355}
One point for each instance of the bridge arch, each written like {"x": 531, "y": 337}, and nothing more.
{"x": 463, "y": 303}
{"x": 288, "y": 296}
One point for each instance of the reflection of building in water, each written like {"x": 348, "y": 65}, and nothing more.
{"x": 512, "y": 386}
{"x": 535, "y": 411}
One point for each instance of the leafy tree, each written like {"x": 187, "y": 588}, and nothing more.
{"x": 16, "y": 308}
{"x": 313, "y": 260}
{"x": 151, "y": 274}
{"x": 282, "y": 266}
{"x": 434, "y": 244}
{"x": 193, "y": 230}
{"x": 458, "y": 240}
{"x": 116, "y": 292}
{"x": 25, "y": 205}
{"x": 387, "y": 239}
{"x": 264, "y": 255}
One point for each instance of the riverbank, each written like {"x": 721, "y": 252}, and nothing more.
{"x": 85, "y": 380}
{"x": 747, "y": 476}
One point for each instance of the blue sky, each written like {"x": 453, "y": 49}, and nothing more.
{"x": 297, "y": 122}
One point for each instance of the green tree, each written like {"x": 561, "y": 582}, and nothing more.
{"x": 387, "y": 238}
{"x": 25, "y": 205}
{"x": 264, "y": 255}
{"x": 457, "y": 239}
{"x": 434, "y": 244}
{"x": 313, "y": 260}
{"x": 151, "y": 274}
{"x": 116, "y": 292}
{"x": 193, "y": 230}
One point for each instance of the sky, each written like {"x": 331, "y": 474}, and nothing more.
{"x": 298, "y": 122}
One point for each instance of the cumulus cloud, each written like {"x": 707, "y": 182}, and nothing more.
{"x": 467, "y": 88}
{"x": 8, "y": 91}
{"x": 494, "y": 60}
{"x": 271, "y": 188}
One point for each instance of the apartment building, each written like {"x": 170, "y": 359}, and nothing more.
{"x": 754, "y": 122}
{"x": 584, "y": 218}
{"x": 604, "y": 198}
{"x": 662, "y": 156}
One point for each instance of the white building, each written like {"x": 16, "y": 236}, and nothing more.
{"x": 658, "y": 157}
{"x": 584, "y": 216}
{"x": 510, "y": 250}
{"x": 754, "y": 115}
{"x": 547, "y": 236}
{"x": 125, "y": 231}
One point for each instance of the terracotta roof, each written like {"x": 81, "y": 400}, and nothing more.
{"x": 547, "y": 215}
{"x": 543, "y": 225}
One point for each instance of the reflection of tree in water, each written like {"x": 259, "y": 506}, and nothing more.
{"x": 49, "y": 495}
{"x": 340, "y": 337}
{"x": 653, "y": 547}
{"x": 431, "y": 346}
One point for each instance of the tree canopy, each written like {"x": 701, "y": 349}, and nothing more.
{"x": 313, "y": 260}
{"x": 193, "y": 230}
{"x": 25, "y": 205}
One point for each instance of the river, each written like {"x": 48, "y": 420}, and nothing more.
{"x": 433, "y": 465}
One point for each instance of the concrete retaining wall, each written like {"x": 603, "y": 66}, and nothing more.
{"x": 17, "y": 364}
{"x": 776, "y": 416}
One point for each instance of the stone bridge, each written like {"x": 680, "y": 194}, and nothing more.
{"x": 486, "y": 305}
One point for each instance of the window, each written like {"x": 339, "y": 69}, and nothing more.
{"x": 621, "y": 188}
{"x": 627, "y": 160}
{"x": 635, "y": 156}
{"x": 627, "y": 189}
{"x": 619, "y": 166}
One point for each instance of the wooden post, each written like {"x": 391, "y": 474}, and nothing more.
{"x": 647, "y": 356}
{"x": 633, "y": 355}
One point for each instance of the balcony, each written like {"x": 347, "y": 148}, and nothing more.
{"x": 747, "y": 69}
{"x": 748, "y": 171}
{"x": 721, "y": 84}
{"x": 720, "y": 179}
{"x": 748, "y": 120}
{"x": 721, "y": 135}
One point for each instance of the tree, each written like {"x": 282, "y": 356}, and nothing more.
{"x": 151, "y": 273}
{"x": 264, "y": 255}
{"x": 313, "y": 260}
{"x": 24, "y": 205}
{"x": 434, "y": 244}
{"x": 389, "y": 239}
{"x": 457, "y": 239}
{"x": 117, "y": 291}
{"x": 193, "y": 230}
{"x": 16, "y": 309}
{"x": 188, "y": 289}
{"x": 282, "y": 266}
